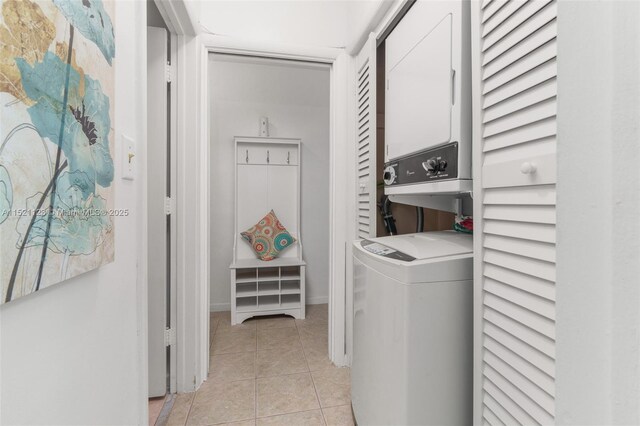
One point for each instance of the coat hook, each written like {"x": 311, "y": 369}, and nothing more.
{"x": 288, "y": 153}
{"x": 267, "y": 156}
{"x": 247, "y": 158}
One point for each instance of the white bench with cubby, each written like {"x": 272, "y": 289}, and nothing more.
{"x": 267, "y": 177}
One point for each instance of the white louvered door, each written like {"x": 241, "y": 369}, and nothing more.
{"x": 515, "y": 89}
{"x": 366, "y": 139}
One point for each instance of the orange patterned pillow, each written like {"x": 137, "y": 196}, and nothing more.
{"x": 268, "y": 237}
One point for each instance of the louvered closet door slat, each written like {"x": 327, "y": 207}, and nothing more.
{"x": 543, "y": 381}
{"x": 501, "y": 15}
{"x": 522, "y": 315}
{"x": 532, "y": 249}
{"x": 539, "y": 111}
{"x": 539, "y": 397}
{"x": 535, "y": 268}
{"x": 540, "y": 93}
{"x": 536, "y": 214}
{"x": 529, "y": 195}
{"x": 365, "y": 137}
{"x": 542, "y": 73}
{"x": 537, "y": 305}
{"x": 490, "y": 418}
{"x": 531, "y": 26}
{"x": 531, "y": 231}
{"x": 503, "y": 397}
{"x": 537, "y": 413}
{"x": 529, "y": 344}
{"x": 523, "y": 48}
{"x": 531, "y": 61}
{"x": 543, "y": 146}
{"x": 525, "y": 13}
{"x": 531, "y": 132}
{"x": 533, "y": 285}
{"x": 515, "y": 93}
{"x": 500, "y": 416}
{"x": 491, "y": 7}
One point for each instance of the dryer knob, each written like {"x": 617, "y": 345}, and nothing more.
{"x": 431, "y": 166}
{"x": 389, "y": 175}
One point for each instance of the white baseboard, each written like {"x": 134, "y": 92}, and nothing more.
{"x": 219, "y": 307}
{"x": 317, "y": 300}
{"x": 222, "y": 307}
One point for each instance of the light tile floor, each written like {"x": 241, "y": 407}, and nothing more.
{"x": 155, "y": 406}
{"x": 269, "y": 371}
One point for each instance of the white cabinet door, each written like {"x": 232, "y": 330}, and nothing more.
{"x": 282, "y": 182}
{"x": 366, "y": 139}
{"x": 253, "y": 205}
{"x": 515, "y": 88}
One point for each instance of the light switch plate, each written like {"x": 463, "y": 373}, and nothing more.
{"x": 129, "y": 158}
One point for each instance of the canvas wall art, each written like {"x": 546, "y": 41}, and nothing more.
{"x": 57, "y": 87}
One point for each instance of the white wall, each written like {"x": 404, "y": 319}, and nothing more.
{"x": 334, "y": 23}
{"x": 598, "y": 200}
{"x": 71, "y": 353}
{"x": 365, "y": 17}
{"x": 313, "y": 23}
{"x": 295, "y": 97}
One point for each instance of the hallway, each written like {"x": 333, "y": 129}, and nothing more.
{"x": 269, "y": 371}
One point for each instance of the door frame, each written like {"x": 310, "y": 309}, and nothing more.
{"x": 182, "y": 303}
{"x": 192, "y": 274}
{"x": 168, "y": 187}
{"x": 341, "y": 162}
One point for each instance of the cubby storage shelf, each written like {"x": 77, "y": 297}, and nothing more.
{"x": 246, "y": 280}
{"x": 281, "y": 290}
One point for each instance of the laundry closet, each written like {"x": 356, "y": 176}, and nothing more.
{"x": 455, "y": 83}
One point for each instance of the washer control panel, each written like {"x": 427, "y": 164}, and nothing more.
{"x": 430, "y": 165}
{"x": 385, "y": 251}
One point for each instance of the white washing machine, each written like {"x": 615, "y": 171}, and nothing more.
{"x": 412, "y": 331}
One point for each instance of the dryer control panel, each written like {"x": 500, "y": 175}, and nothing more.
{"x": 426, "y": 166}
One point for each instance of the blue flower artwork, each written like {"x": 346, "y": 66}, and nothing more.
{"x": 56, "y": 152}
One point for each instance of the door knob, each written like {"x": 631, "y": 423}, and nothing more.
{"x": 528, "y": 168}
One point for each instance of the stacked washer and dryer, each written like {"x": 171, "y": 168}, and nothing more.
{"x": 412, "y": 360}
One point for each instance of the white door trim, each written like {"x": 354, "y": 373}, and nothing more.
{"x": 173, "y": 220}
{"x": 176, "y": 16}
{"x": 341, "y": 154}
{"x": 189, "y": 310}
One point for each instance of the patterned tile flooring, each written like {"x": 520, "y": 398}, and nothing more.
{"x": 269, "y": 371}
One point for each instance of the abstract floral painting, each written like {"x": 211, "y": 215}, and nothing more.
{"x": 56, "y": 141}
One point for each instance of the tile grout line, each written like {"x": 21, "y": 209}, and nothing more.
{"x": 311, "y": 377}
{"x": 304, "y": 354}
{"x": 318, "y": 396}
{"x": 293, "y": 412}
{"x": 186, "y": 419}
{"x": 219, "y": 332}
{"x": 255, "y": 382}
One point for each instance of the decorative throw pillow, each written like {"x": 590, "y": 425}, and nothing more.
{"x": 268, "y": 237}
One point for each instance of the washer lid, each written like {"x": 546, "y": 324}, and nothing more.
{"x": 429, "y": 245}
